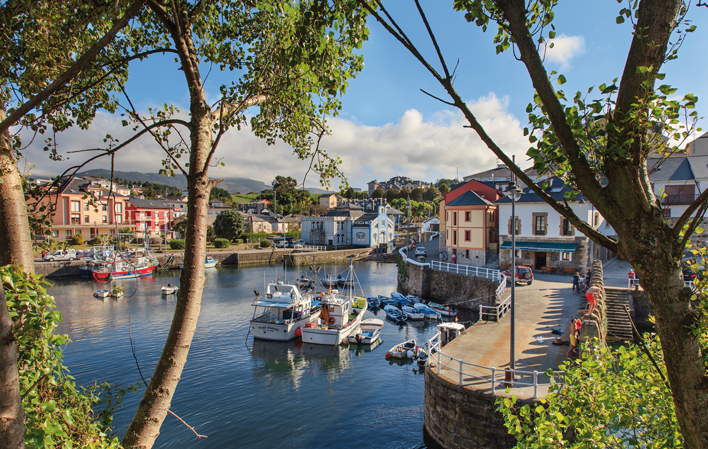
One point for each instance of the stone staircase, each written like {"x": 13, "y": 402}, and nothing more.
{"x": 619, "y": 326}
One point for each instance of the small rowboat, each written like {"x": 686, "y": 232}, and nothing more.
{"x": 367, "y": 333}
{"x": 404, "y": 350}
{"x": 170, "y": 290}
{"x": 442, "y": 309}
{"x": 395, "y": 314}
{"x": 101, "y": 293}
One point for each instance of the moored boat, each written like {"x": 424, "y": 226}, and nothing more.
{"x": 339, "y": 318}
{"x": 442, "y": 309}
{"x": 103, "y": 293}
{"x": 407, "y": 349}
{"x": 120, "y": 269}
{"x": 210, "y": 262}
{"x": 427, "y": 311}
{"x": 282, "y": 313}
{"x": 413, "y": 313}
{"x": 170, "y": 290}
{"x": 373, "y": 301}
{"x": 367, "y": 333}
{"x": 395, "y": 314}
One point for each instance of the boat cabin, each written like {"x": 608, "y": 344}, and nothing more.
{"x": 449, "y": 331}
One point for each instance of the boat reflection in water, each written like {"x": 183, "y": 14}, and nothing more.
{"x": 293, "y": 359}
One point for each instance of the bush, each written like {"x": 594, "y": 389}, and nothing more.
{"x": 177, "y": 244}
{"x": 238, "y": 241}
{"x": 57, "y": 412}
{"x": 265, "y": 243}
{"x": 221, "y": 243}
{"x": 96, "y": 241}
{"x": 154, "y": 240}
{"x": 77, "y": 239}
{"x": 254, "y": 236}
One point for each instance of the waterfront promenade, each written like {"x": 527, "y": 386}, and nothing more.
{"x": 547, "y": 304}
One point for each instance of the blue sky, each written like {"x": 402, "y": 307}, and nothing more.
{"x": 388, "y": 126}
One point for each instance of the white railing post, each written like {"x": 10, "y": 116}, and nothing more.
{"x": 460, "y": 384}
{"x": 494, "y": 380}
{"x": 535, "y": 384}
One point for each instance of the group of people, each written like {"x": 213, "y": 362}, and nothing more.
{"x": 580, "y": 282}
{"x": 592, "y": 294}
{"x": 444, "y": 257}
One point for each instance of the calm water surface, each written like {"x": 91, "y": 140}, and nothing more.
{"x": 249, "y": 394}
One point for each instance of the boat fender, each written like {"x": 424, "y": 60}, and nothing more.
{"x": 331, "y": 320}
{"x": 298, "y": 332}
{"x": 388, "y": 355}
{"x": 410, "y": 354}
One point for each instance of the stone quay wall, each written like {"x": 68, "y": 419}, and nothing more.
{"x": 595, "y": 324}
{"x": 456, "y": 417}
{"x": 240, "y": 258}
{"x": 444, "y": 287}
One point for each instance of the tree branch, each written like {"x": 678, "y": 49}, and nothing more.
{"x": 75, "y": 68}
{"x": 700, "y": 202}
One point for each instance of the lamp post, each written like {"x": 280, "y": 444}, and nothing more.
{"x": 408, "y": 225}
{"x": 514, "y": 192}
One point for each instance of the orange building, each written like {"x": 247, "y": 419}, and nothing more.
{"x": 82, "y": 207}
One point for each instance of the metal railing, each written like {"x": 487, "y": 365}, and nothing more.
{"x": 488, "y": 273}
{"x": 497, "y": 377}
{"x": 497, "y": 311}
{"x": 633, "y": 283}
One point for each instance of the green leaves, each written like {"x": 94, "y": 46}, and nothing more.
{"x": 57, "y": 414}
{"x": 610, "y": 398}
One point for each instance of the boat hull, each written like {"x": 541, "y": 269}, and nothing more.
{"x": 331, "y": 337}
{"x": 140, "y": 272}
{"x": 280, "y": 331}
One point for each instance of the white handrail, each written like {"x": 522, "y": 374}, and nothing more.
{"x": 492, "y": 377}
{"x": 497, "y": 311}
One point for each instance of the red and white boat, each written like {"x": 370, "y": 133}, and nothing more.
{"x": 121, "y": 269}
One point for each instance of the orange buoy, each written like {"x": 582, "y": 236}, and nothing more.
{"x": 298, "y": 332}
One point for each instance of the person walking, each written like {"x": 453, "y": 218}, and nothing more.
{"x": 576, "y": 282}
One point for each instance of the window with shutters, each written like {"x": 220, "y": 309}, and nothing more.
{"x": 518, "y": 225}
{"x": 540, "y": 223}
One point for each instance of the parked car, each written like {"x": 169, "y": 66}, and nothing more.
{"x": 298, "y": 243}
{"x": 523, "y": 274}
{"x": 420, "y": 252}
{"x": 61, "y": 254}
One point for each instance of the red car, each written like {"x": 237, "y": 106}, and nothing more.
{"x": 523, "y": 274}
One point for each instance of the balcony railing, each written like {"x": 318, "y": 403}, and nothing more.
{"x": 680, "y": 199}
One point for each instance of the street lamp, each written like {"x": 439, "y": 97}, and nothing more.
{"x": 408, "y": 225}
{"x": 514, "y": 192}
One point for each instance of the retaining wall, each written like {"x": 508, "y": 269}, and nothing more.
{"x": 595, "y": 324}
{"x": 444, "y": 287}
{"x": 456, "y": 417}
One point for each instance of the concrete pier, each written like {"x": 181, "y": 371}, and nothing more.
{"x": 464, "y": 416}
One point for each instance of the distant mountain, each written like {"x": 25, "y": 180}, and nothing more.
{"x": 233, "y": 185}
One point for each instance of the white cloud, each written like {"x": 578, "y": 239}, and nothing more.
{"x": 425, "y": 148}
{"x": 565, "y": 48}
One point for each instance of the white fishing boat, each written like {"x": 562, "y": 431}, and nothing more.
{"x": 103, "y": 293}
{"x": 367, "y": 333}
{"x": 282, "y": 312}
{"x": 210, "y": 262}
{"x": 339, "y": 318}
{"x": 405, "y": 350}
{"x": 170, "y": 290}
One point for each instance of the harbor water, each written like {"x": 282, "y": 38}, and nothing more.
{"x": 242, "y": 393}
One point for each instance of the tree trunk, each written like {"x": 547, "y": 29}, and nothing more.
{"x": 12, "y": 416}
{"x": 153, "y": 408}
{"x": 651, "y": 256}
{"x": 16, "y": 248}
